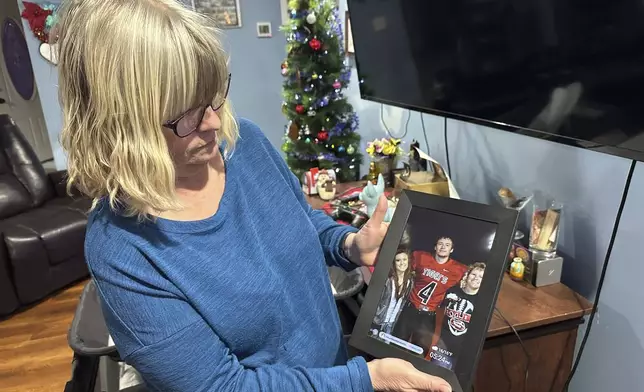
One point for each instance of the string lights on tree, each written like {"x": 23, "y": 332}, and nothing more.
{"x": 321, "y": 131}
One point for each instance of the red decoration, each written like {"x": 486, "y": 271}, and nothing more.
{"x": 315, "y": 44}
{"x": 337, "y": 85}
{"x": 299, "y": 109}
{"x": 323, "y": 135}
{"x": 36, "y": 16}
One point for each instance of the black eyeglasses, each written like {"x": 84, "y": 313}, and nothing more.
{"x": 189, "y": 121}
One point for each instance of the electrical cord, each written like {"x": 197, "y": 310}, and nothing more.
{"x": 602, "y": 275}
{"x": 422, "y": 122}
{"x": 449, "y": 166}
{"x": 382, "y": 119}
{"x": 525, "y": 350}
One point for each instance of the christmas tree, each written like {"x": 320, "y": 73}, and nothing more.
{"x": 321, "y": 131}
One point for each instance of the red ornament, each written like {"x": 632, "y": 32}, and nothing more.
{"x": 299, "y": 109}
{"x": 323, "y": 135}
{"x": 337, "y": 85}
{"x": 315, "y": 44}
{"x": 36, "y": 16}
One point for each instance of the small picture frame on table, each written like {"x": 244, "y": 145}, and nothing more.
{"x": 432, "y": 293}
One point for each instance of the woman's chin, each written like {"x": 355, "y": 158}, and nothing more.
{"x": 205, "y": 154}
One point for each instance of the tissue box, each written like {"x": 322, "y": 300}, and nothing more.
{"x": 423, "y": 181}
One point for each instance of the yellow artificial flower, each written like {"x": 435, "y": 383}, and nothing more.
{"x": 389, "y": 149}
{"x": 384, "y": 146}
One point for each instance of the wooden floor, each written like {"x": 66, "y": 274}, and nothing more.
{"x": 34, "y": 356}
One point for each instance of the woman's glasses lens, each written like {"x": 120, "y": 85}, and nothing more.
{"x": 190, "y": 121}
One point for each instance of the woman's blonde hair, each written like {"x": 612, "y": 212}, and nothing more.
{"x": 126, "y": 67}
{"x": 478, "y": 265}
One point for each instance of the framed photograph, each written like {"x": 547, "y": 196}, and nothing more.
{"x": 432, "y": 294}
{"x": 226, "y": 13}
{"x": 348, "y": 37}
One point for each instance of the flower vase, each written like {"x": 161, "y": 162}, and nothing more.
{"x": 386, "y": 166}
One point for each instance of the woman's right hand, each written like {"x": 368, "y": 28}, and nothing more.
{"x": 397, "y": 375}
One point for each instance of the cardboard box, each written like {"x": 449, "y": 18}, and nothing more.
{"x": 423, "y": 181}
{"x": 434, "y": 181}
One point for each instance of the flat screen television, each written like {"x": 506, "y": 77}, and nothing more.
{"x": 570, "y": 71}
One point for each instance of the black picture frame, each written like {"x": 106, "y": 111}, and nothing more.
{"x": 461, "y": 377}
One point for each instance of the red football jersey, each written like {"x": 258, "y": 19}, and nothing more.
{"x": 432, "y": 280}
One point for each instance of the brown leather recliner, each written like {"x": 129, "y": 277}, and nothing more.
{"x": 42, "y": 229}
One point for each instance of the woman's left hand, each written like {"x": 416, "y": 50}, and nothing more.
{"x": 362, "y": 247}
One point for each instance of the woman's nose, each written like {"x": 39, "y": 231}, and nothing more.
{"x": 210, "y": 121}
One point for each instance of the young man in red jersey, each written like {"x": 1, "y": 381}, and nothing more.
{"x": 434, "y": 275}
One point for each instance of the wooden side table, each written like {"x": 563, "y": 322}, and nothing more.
{"x": 547, "y": 320}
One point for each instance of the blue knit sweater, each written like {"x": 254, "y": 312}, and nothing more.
{"x": 240, "y": 301}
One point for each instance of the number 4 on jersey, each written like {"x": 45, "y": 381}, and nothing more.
{"x": 426, "y": 292}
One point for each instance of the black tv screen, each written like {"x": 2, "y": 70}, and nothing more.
{"x": 570, "y": 71}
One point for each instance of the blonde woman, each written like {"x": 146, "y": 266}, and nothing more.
{"x": 209, "y": 279}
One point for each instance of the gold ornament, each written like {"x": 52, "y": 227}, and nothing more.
{"x": 293, "y": 131}
{"x": 373, "y": 173}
